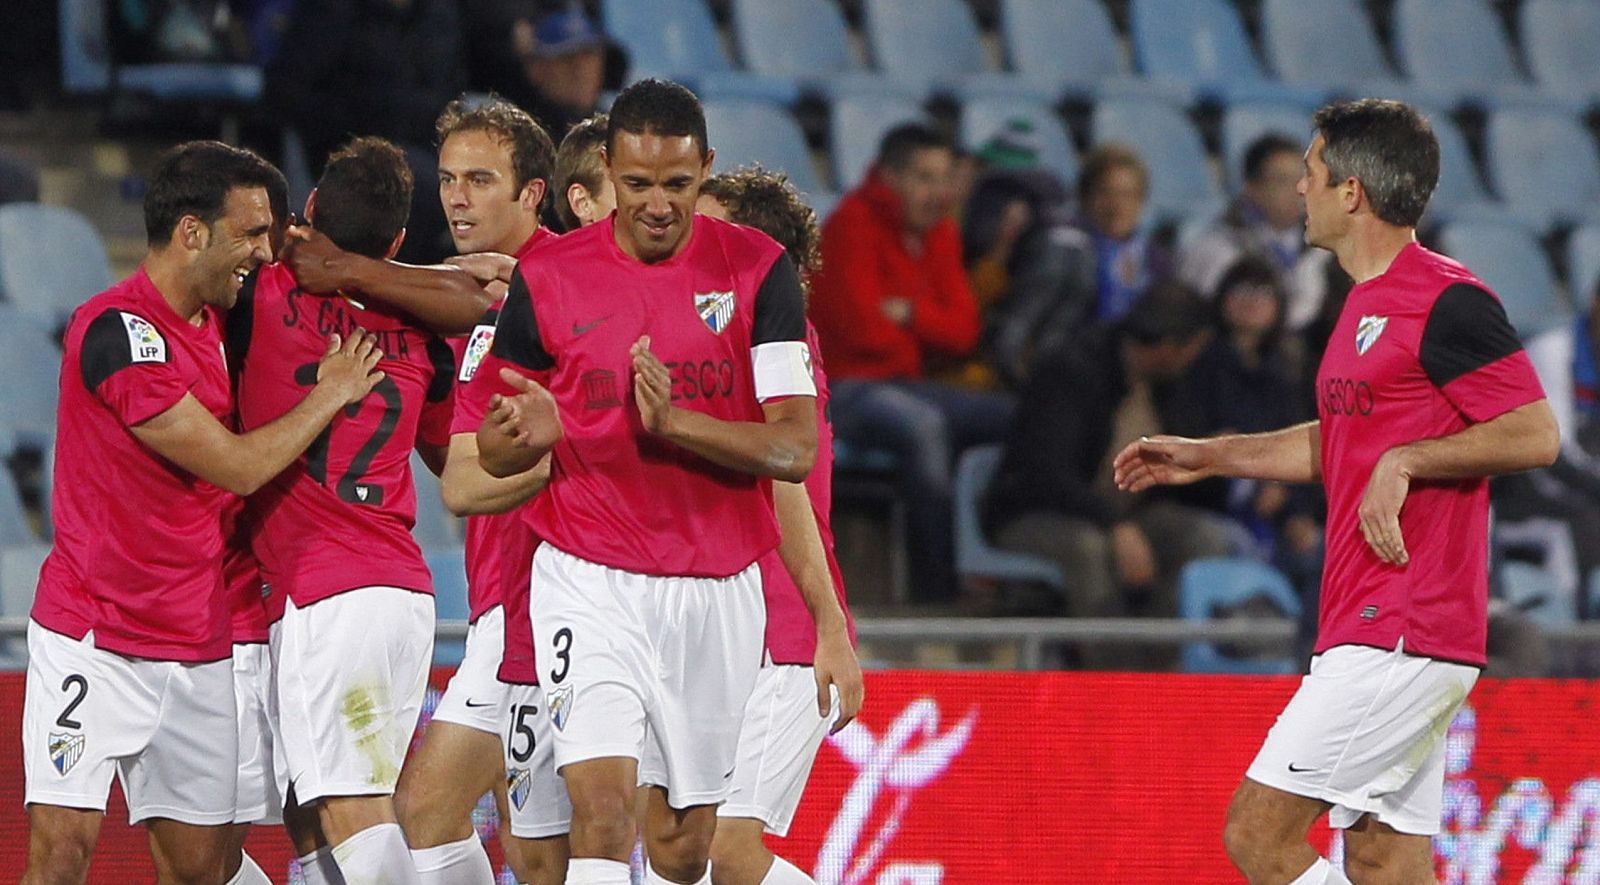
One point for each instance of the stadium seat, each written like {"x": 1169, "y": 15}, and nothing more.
{"x": 1243, "y": 123}
{"x": 677, "y": 39}
{"x": 436, "y": 528}
{"x": 1203, "y": 42}
{"x": 15, "y": 527}
{"x": 981, "y": 120}
{"x": 1544, "y": 164}
{"x": 803, "y": 40}
{"x": 1558, "y": 40}
{"x": 1295, "y": 41}
{"x": 1070, "y": 47}
{"x": 31, "y": 364}
{"x": 1507, "y": 257}
{"x": 857, "y": 123}
{"x": 923, "y": 44}
{"x": 449, "y": 569}
{"x": 975, "y": 556}
{"x": 1211, "y": 588}
{"x": 19, "y": 577}
{"x": 1535, "y": 591}
{"x": 1181, "y": 182}
{"x": 744, "y": 132}
{"x": 87, "y": 66}
{"x": 1583, "y": 265}
{"x": 1459, "y": 47}
{"x": 1460, "y": 192}
{"x": 51, "y": 260}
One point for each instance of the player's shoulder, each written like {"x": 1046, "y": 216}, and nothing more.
{"x": 552, "y": 251}
{"x": 1434, "y": 275}
{"x": 737, "y": 240}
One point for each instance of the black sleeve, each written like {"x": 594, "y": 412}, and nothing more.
{"x": 444, "y": 369}
{"x": 107, "y": 349}
{"x": 780, "y": 306}
{"x": 1467, "y": 330}
{"x": 516, "y": 332}
{"x": 240, "y": 325}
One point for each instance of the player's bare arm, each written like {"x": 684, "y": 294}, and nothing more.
{"x": 1293, "y": 454}
{"x": 520, "y": 429}
{"x": 191, "y": 437}
{"x": 1524, "y": 438}
{"x": 486, "y": 267}
{"x": 803, "y": 555}
{"x": 469, "y": 490}
{"x": 784, "y": 446}
{"x": 445, "y": 298}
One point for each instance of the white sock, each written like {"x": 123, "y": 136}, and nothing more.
{"x": 651, "y": 877}
{"x": 454, "y": 863}
{"x": 784, "y": 873}
{"x": 319, "y": 868}
{"x": 250, "y": 873}
{"x": 1321, "y": 873}
{"x": 597, "y": 871}
{"x": 376, "y": 856}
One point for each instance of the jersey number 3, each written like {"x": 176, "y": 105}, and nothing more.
{"x": 350, "y": 488}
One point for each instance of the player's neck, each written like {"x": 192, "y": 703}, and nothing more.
{"x": 171, "y": 279}
{"x": 625, "y": 242}
{"x": 517, "y": 238}
{"x": 1369, "y": 249}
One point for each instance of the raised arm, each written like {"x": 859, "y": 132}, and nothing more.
{"x": 1293, "y": 454}
{"x": 445, "y": 298}
{"x": 803, "y": 555}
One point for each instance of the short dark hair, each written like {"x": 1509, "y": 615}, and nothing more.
{"x": 657, "y": 107}
{"x": 1265, "y": 148}
{"x": 1254, "y": 270}
{"x": 194, "y": 178}
{"x": 900, "y": 143}
{"x": 278, "y": 196}
{"x": 364, "y": 196}
{"x": 1167, "y": 311}
{"x": 1386, "y": 145}
{"x": 1098, "y": 163}
{"x": 768, "y": 202}
{"x": 578, "y": 162}
{"x": 532, "y": 153}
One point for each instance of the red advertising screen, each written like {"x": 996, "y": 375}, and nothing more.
{"x": 978, "y": 778}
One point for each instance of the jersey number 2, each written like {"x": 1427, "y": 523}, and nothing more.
{"x": 350, "y": 488}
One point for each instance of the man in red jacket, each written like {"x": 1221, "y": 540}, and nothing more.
{"x": 891, "y": 305}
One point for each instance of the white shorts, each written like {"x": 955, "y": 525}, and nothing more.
{"x": 781, "y": 735}
{"x": 352, "y": 670}
{"x": 475, "y": 697}
{"x": 165, "y": 728}
{"x": 259, "y": 798}
{"x": 654, "y": 668}
{"x": 1366, "y": 732}
{"x": 535, "y": 793}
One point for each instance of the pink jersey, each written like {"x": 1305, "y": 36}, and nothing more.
{"x": 1422, "y": 351}
{"x": 340, "y": 517}
{"x": 138, "y": 541}
{"x": 791, "y": 633}
{"x": 241, "y": 576}
{"x": 727, "y": 317}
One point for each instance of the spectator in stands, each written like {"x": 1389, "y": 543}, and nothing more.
{"x": 374, "y": 67}
{"x": 1129, "y": 257}
{"x": 1053, "y": 494}
{"x": 1266, "y": 219}
{"x": 892, "y": 306}
{"x": 563, "y": 63}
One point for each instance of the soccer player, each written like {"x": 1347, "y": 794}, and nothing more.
{"x": 1424, "y": 391}
{"x": 646, "y": 599}
{"x": 129, "y": 644}
{"x": 333, "y": 532}
{"x": 781, "y": 733}
{"x": 583, "y": 191}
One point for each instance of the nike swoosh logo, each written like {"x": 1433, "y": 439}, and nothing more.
{"x": 1299, "y": 770}
{"x": 579, "y": 329}
{"x": 484, "y": 704}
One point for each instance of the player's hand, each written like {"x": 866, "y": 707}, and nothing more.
{"x": 350, "y": 366}
{"x": 317, "y": 264}
{"x": 1379, "y": 510}
{"x": 1161, "y": 460}
{"x": 528, "y": 417}
{"x": 486, "y": 267}
{"x": 835, "y": 666}
{"x": 652, "y": 386}
{"x": 1135, "y": 558}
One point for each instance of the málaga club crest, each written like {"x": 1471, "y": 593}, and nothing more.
{"x": 1367, "y": 332}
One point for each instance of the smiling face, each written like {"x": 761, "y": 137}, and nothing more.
{"x": 477, "y": 187}
{"x": 236, "y": 243}
{"x": 657, "y": 179}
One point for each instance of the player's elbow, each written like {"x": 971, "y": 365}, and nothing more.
{"x": 458, "y": 499}
{"x": 242, "y": 483}
{"x": 792, "y": 462}
{"x": 1545, "y": 443}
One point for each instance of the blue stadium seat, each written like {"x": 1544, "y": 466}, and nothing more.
{"x": 1295, "y": 40}
{"x": 449, "y": 569}
{"x": 1559, "y": 38}
{"x": 31, "y": 364}
{"x": 1070, "y": 47}
{"x": 1508, "y": 258}
{"x": 1459, "y": 47}
{"x": 923, "y": 43}
{"x": 1210, "y": 586}
{"x": 975, "y": 556}
{"x": 51, "y": 260}
{"x": 1536, "y": 592}
{"x": 1181, "y": 181}
{"x": 15, "y": 527}
{"x": 1583, "y": 265}
{"x": 744, "y": 132}
{"x": 981, "y": 120}
{"x": 19, "y": 578}
{"x": 87, "y": 66}
{"x": 1243, "y": 123}
{"x": 1203, "y": 42}
{"x": 803, "y": 40}
{"x": 858, "y": 122}
{"x": 677, "y": 39}
{"x": 1544, "y": 164}
{"x": 436, "y": 528}
{"x": 1460, "y": 192}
